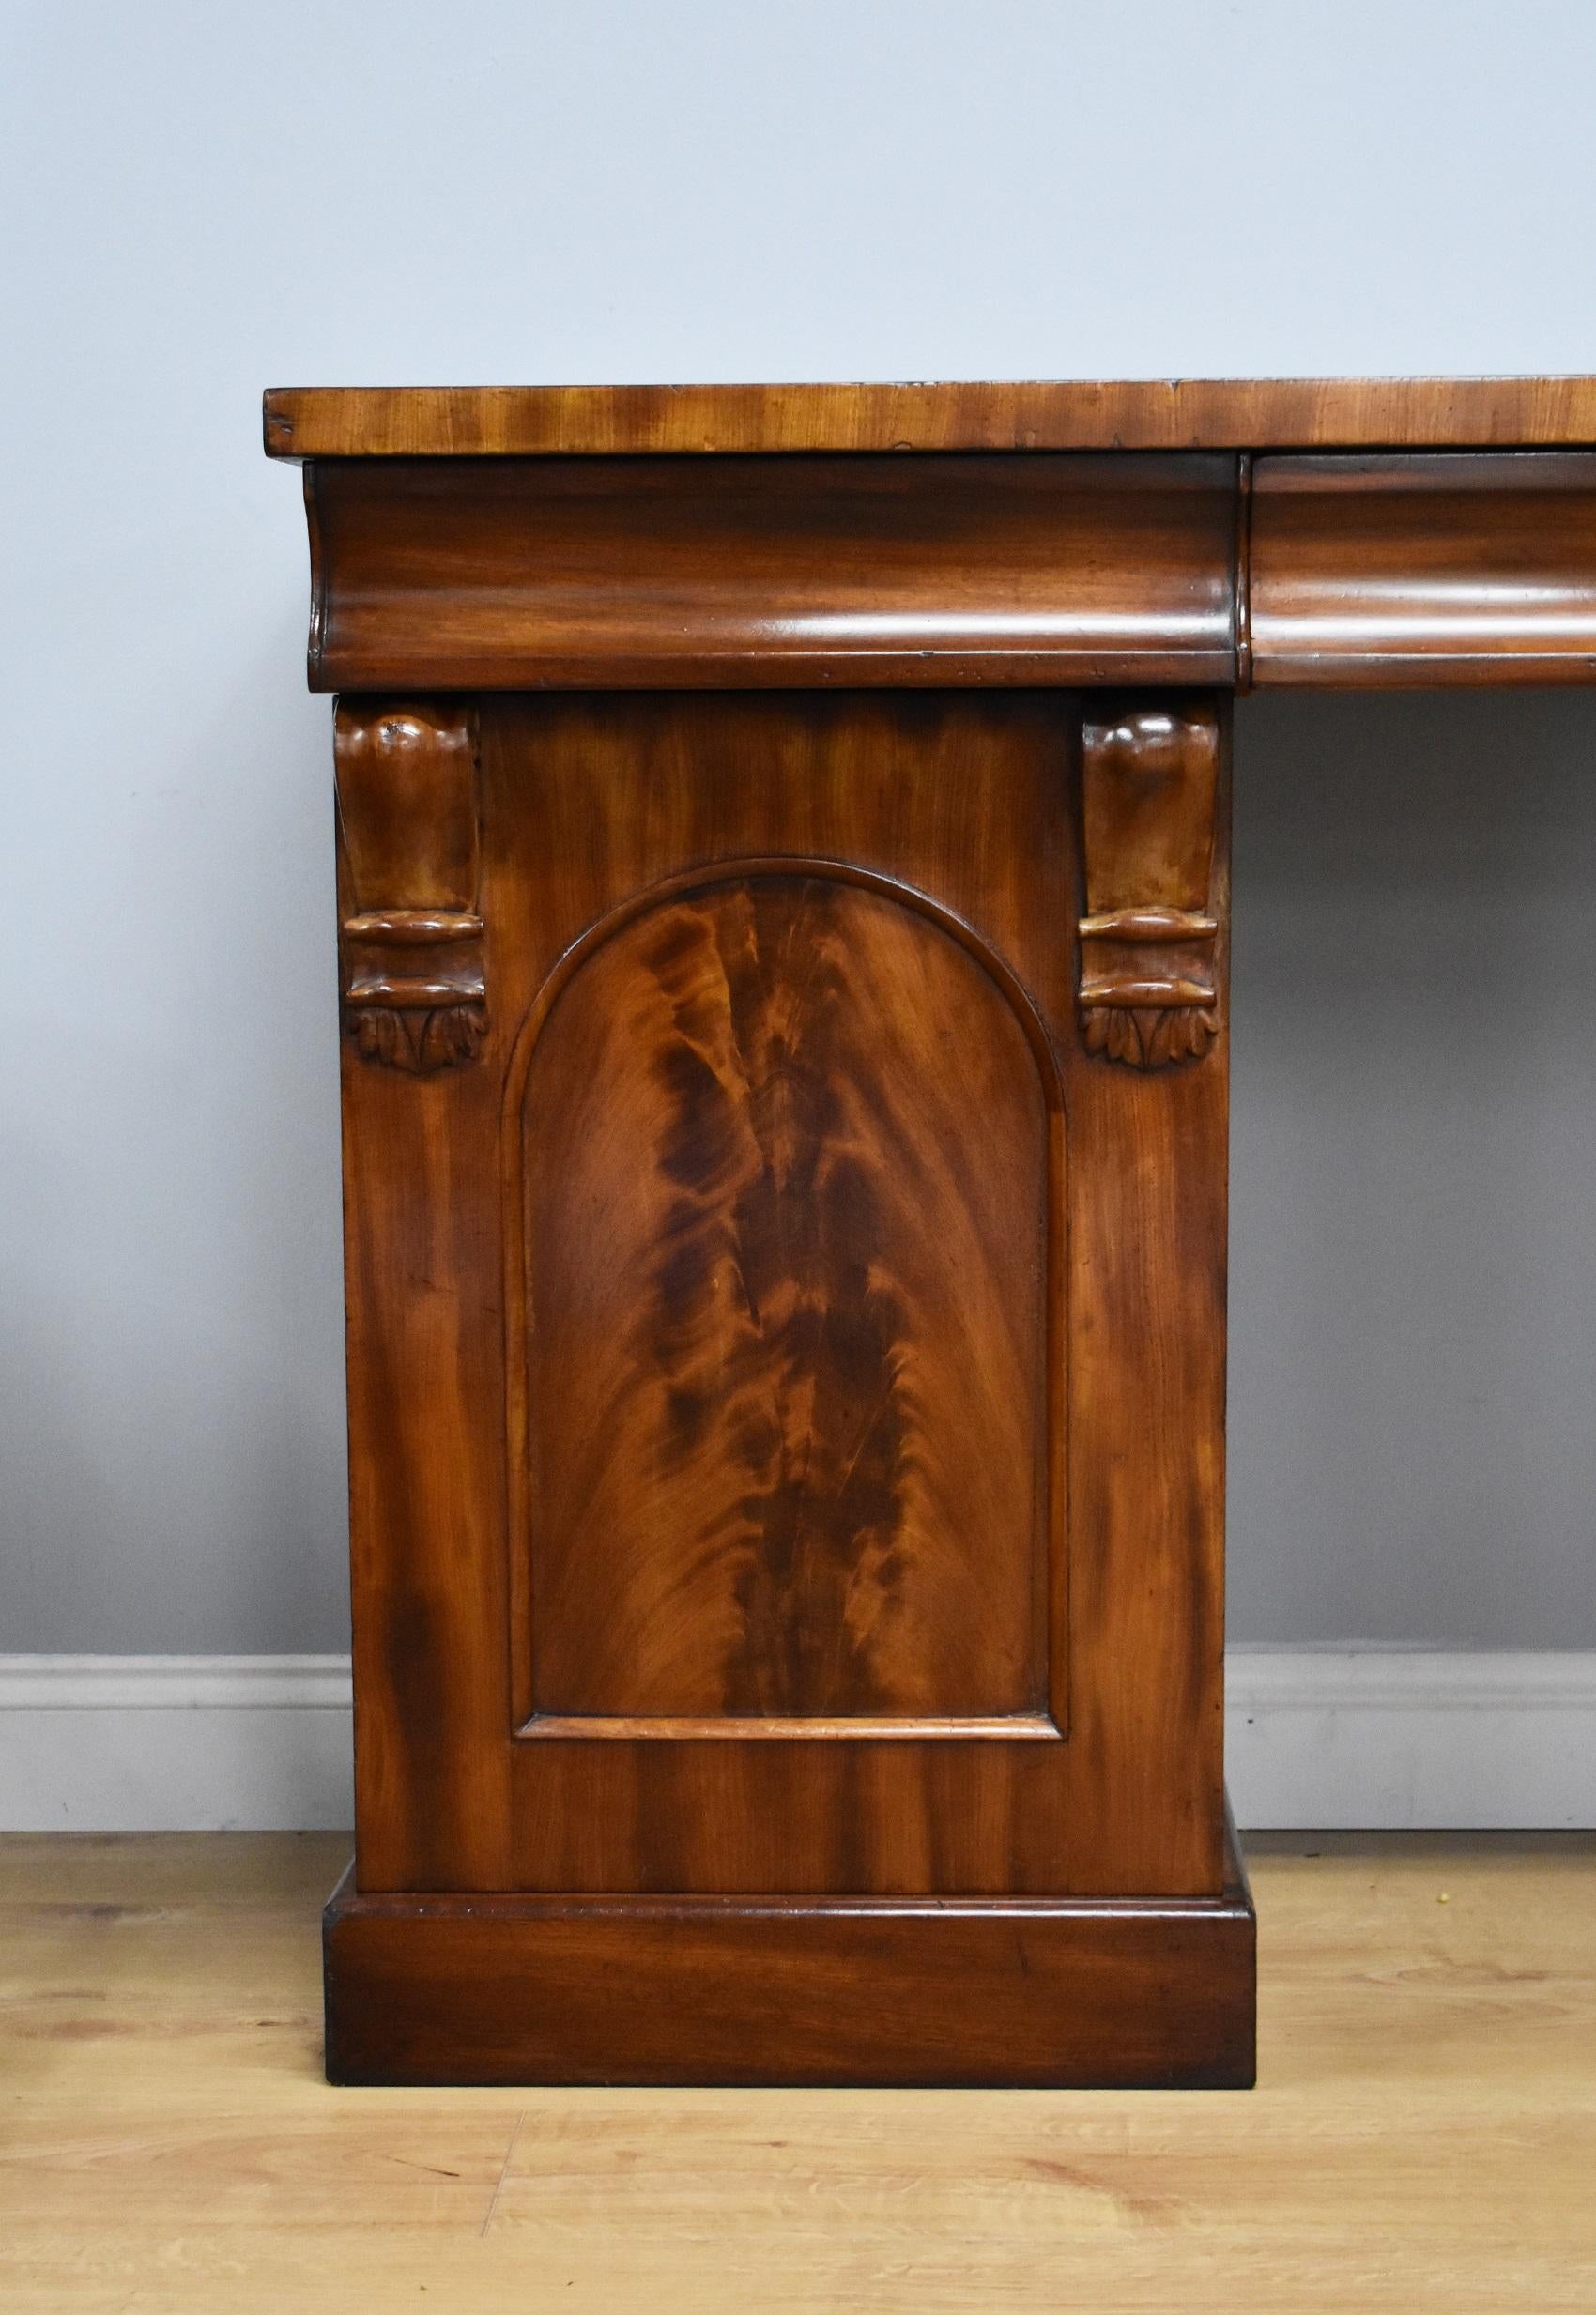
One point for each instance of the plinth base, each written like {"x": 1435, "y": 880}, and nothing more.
{"x": 996, "y": 1992}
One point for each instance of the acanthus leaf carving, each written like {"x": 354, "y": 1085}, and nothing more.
{"x": 1147, "y": 1039}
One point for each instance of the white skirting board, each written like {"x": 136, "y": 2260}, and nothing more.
{"x": 1318, "y": 1740}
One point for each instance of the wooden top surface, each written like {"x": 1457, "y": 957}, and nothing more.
{"x": 378, "y": 422}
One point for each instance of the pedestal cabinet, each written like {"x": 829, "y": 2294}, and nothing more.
{"x": 784, "y": 896}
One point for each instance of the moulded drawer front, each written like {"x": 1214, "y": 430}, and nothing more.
{"x": 510, "y": 573}
{"x": 1468, "y": 567}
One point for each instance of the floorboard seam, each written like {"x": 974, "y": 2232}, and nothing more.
{"x": 503, "y": 2174}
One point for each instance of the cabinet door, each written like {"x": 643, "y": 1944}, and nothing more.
{"x": 786, "y": 1365}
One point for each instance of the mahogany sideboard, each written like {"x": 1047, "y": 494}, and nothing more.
{"x": 784, "y": 898}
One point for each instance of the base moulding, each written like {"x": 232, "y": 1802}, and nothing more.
{"x": 995, "y": 1992}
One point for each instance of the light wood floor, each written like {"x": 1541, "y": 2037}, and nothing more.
{"x": 1424, "y": 2136}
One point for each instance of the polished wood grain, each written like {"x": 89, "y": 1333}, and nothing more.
{"x": 1059, "y": 569}
{"x": 1040, "y": 414}
{"x": 1031, "y": 1993}
{"x": 786, "y": 1351}
{"x": 1424, "y": 570}
{"x": 641, "y": 572}
{"x": 955, "y": 812}
{"x": 1421, "y": 2140}
{"x": 786, "y": 1319}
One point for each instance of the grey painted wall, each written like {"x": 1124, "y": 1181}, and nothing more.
{"x": 200, "y": 203}
{"x": 1413, "y": 1214}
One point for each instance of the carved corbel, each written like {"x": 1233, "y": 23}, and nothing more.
{"x": 1150, "y": 779}
{"x": 411, "y": 946}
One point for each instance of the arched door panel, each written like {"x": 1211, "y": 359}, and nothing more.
{"x": 784, "y": 1456}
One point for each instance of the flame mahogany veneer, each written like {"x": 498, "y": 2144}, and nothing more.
{"x": 783, "y": 907}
